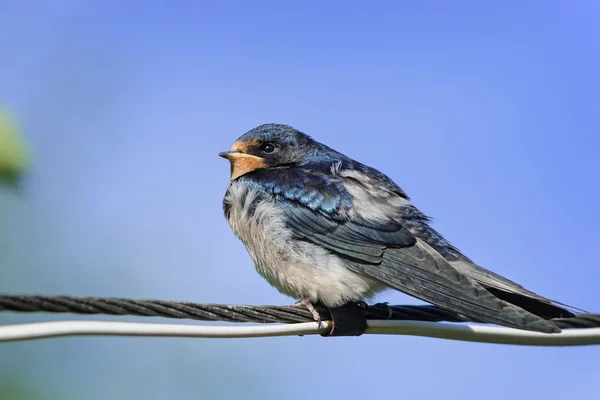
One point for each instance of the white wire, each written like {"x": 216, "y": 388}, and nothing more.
{"x": 471, "y": 333}
{"x": 486, "y": 334}
{"x": 41, "y": 330}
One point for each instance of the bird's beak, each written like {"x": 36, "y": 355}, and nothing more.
{"x": 237, "y": 155}
{"x": 242, "y": 163}
{"x": 227, "y": 154}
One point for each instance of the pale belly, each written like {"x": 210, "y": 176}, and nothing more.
{"x": 296, "y": 268}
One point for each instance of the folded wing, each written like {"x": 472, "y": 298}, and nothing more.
{"x": 386, "y": 251}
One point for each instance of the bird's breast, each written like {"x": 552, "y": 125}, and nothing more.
{"x": 296, "y": 268}
{"x": 259, "y": 223}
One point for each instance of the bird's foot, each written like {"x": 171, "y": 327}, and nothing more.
{"x": 305, "y": 302}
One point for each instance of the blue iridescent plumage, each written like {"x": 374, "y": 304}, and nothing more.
{"x": 300, "y": 186}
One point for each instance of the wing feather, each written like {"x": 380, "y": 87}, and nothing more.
{"x": 316, "y": 210}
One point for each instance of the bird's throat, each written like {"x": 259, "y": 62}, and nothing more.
{"x": 242, "y": 164}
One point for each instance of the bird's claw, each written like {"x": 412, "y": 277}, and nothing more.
{"x": 305, "y": 302}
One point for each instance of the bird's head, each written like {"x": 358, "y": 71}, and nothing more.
{"x": 269, "y": 145}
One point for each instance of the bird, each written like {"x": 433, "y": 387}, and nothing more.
{"x": 326, "y": 229}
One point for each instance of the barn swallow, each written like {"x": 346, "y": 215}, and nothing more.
{"x": 326, "y": 229}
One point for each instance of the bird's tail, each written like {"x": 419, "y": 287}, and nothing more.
{"x": 421, "y": 272}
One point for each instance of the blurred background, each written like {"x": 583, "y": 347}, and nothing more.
{"x": 486, "y": 113}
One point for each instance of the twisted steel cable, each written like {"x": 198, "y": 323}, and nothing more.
{"x": 239, "y": 313}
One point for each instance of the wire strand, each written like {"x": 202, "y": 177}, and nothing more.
{"x": 240, "y": 313}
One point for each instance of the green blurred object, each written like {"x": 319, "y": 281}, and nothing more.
{"x": 16, "y": 388}
{"x": 13, "y": 155}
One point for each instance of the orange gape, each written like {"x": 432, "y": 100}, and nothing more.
{"x": 243, "y": 163}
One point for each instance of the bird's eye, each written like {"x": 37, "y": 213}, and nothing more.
{"x": 267, "y": 147}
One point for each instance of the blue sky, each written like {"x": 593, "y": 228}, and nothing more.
{"x": 485, "y": 113}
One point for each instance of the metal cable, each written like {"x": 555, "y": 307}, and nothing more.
{"x": 239, "y": 313}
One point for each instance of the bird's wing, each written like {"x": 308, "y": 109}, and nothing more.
{"x": 316, "y": 210}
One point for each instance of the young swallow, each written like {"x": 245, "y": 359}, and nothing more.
{"x": 324, "y": 228}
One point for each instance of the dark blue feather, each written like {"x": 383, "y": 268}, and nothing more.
{"x": 309, "y": 189}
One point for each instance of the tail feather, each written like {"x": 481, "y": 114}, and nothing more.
{"x": 513, "y": 293}
{"x": 542, "y": 309}
{"x": 421, "y": 272}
